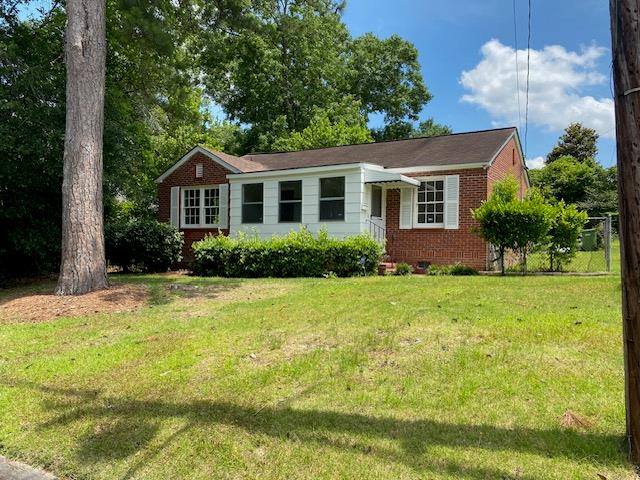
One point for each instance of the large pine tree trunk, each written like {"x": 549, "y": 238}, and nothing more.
{"x": 83, "y": 267}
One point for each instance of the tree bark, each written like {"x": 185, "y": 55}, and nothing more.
{"x": 626, "y": 74}
{"x": 83, "y": 266}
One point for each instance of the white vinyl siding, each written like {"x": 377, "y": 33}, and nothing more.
{"x": 310, "y": 217}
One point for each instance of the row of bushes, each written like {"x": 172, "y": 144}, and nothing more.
{"x": 298, "y": 254}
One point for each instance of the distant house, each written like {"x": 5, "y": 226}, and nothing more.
{"x": 417, "y": 194}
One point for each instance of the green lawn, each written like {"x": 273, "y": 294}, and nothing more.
{"x": 381, "y": 377}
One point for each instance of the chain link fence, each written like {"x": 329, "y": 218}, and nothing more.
{"x": 598, "y": 251}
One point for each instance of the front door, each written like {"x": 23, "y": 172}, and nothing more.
{"x": 377, "y": 221}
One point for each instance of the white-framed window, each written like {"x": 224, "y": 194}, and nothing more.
{"x": 200, "y": 206}
{"x": 290, "y": 202}
{"x": 332, "y": 198}
{"x": 211, "y": 206}
{"x": 252, "y": 203}
{"x": 430, "y": 203}
{"x": 199, "y": 170}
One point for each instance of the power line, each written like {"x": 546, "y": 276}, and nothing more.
{"x": 515, "y": 37}
{"x": 526, "y": 109}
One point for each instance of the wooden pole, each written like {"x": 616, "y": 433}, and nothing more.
{"x": 626, "y": 76}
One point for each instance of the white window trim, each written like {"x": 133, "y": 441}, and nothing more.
{"x": 343, "y": 198}
{"x": 202, "y": 188}
{"x": 444, "y": 203}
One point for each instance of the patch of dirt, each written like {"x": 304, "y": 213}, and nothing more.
{"x": 43, "y": 306}
{"x": 290, "y": 350}
{"x": 196, "y": 297}
{"x": 570, "y": 419}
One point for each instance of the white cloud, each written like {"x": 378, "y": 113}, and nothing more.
{"x": 557, "y": 77}
{"x": 535, "y": 163}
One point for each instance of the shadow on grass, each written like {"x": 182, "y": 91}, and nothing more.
{"x": 132, "y": 424}
{"x": 166, "y": 287}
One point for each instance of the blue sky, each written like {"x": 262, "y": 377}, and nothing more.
{"x": 570, "y": 52}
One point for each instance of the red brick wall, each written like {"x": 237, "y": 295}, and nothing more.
{"x": 185, "y": 176}
{"x": 437, "y": 245}
{"x": 508, "y": 162}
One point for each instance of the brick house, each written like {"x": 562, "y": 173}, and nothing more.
{"x": 415, "y": 194}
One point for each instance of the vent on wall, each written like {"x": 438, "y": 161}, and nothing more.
{"x": 199, "y": 170}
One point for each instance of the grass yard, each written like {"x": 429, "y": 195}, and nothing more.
{"x": 582, "y": 262}
{"x": 381, "y": 377}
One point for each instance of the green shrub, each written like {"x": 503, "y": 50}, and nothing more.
{"x": 142, "y": 245}
{"x": 510, "y": 223}
{"x": 403, "y": 268}
{"x": 298, "y": 254}
{"x": 564, "y": 235}
{"x": 455, "y": 269}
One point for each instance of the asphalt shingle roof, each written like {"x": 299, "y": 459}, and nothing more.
{"x": 454, "y": 149}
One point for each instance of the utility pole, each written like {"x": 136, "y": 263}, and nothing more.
{"x": 625, "y": 25}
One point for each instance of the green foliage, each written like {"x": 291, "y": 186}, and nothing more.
{"x": 339, "y": 124}
{"x": 142, "y": 245}
{"x": 510, "y": 223}
{"x": 455, "y": 269}
{"x": 601, "y": 195}
{"x": 152, "y": 111}
{"x": 272, "y": 65}
{"x": 298, "y": 254}
{"x": 564, "y": 235}
{"x": 32, "y": 112}
{"x": 401, "y": 130}
{"x": 403, "y": 269}
{"x": 506, "y": 190}
{"x": 385, "y": 75}
{"x": 578, "y": 142}
{"x": 565, "y": 179}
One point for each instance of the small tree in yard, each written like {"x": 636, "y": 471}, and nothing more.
{"x": 564, "y": 234}
{"x": 510, "y": 223}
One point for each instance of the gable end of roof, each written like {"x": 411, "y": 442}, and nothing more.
{"x": 195, "y": 150}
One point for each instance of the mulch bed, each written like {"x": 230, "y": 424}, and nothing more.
{"x": 43, "y": 306}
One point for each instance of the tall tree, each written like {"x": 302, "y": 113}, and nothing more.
{"x": 83, "y": 266}
{"x": 578, "y": 142}
{"x": 288, "y": 57}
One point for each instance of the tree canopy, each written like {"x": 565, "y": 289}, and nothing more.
{"x": 573, "y": 175}
{"x": 286, "y": 74}
{"x": 578, "y": 142}
{"x": 288, "y": 58}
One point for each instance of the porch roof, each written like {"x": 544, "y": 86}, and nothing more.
{"x": 389, "y": 179}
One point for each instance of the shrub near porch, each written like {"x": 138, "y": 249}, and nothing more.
{"x": 299, "y": 254}
{"x": 377, "y": 377}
